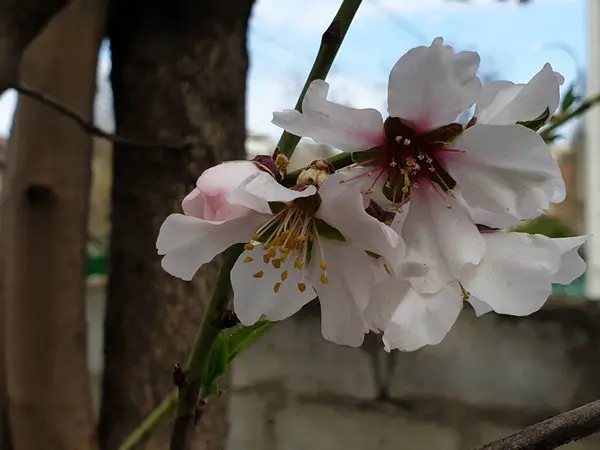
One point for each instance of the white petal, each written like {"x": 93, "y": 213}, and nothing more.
{"x": 572, "y": 266}
{"x": 225, "y": 176}
{"x": 346, "y": 128}
{"x": 255, "y": 297}
{"x": 346, "y": 294}
{"x": 505, "y": 103}
{"x": 441, "y": 243}
{"x": 208, "y": 200}
{"x": 479, "y": 306}
{"x": 431, "y": 86}
{"x": 419, "y": 320}
{"x": 342, "y": 208}
{"x": 258, "y": 190}
{"x": 507, "y": 169}
{"x": 514, "y": 275}
{"x": 187, "y": 242}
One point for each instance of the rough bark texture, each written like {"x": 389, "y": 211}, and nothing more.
{"x": 179, "y": 74}
{"x": 44, "y": 225}
{"x": 20, "y": 23}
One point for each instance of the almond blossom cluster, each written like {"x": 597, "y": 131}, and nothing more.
{"x": 413, "y": 228}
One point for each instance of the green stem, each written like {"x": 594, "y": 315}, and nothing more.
{"x": 209, "y": 330}
{"x": 189, "y": 393}
{"x": 330, "y": 44}
{"x": 146, "y": 427}
{"x": 338, "y": 162}
{"x": 561, "y": 119}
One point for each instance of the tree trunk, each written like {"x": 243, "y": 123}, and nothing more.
{"x": 45, "y": 235}
{"x": 179, "y": 74}
{"x": 20, "y": 23}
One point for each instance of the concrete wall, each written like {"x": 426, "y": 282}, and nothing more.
{"x": 491, "y": 376}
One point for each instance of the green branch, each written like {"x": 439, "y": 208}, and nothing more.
{"x": 330, "y": 44}
{"x": 189, "y": 392}
{"x": 146, "y": 427}
{"x": 560, "y": 119}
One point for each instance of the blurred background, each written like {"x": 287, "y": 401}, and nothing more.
{"x": 291, "y": 391}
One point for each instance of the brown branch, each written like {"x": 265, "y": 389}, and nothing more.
{"x": 88, "y": 126}
{"x": 554, "y": 432}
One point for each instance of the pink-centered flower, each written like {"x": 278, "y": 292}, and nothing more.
{"x": 420, "y": 155}
{"x": 300, "y": 242}
{"x": 514, "y": 277}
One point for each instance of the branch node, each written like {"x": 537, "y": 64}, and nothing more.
{"x": 178, "y": 376}
{"x": 228, "y": 319}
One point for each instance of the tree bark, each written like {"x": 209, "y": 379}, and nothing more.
{"x": 44, "y": 226}
{"x": 179, "y": 75}
{"x": 20, "y": 22}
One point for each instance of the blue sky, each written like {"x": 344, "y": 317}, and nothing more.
{"x": 514, "y": 41}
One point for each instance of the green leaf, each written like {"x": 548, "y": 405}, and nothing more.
{"x": 327, "y": 231}
{"x": 225, "y": 348}
{"x": 569, "y": 98}
{"x": 538, "y": 122}
{"x": 367, "y": 155}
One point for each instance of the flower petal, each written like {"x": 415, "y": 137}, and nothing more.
{"x": 208, "y": 200}
{"x": 441, "y": 242}
{"x": 342, "y": 207}
{"x": 506, "y": 169}
{"x": 254, "y": 297}
{"x": 572, "y": 265}
{"x": 480, "y": 307}
{"x": 506, "y": 103}
{"x": 346, "y": 294}
{"x": 514, "y": 275}
{"x": 188, "y": 242}
{"x": 417, "y": 320}
{"x": 258, "y": 190}
{"x": 340, "y": 126}
{"x": 431, "y": 86}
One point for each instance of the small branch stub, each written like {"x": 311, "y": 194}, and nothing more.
{"x": 178, "y": 376}
{"x": 228, "y": 319}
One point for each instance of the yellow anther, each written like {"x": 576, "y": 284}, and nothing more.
{"x": 255, "y": 236}
{"x": 284, "y": 275}
{"x": 271, "y": 252}
{"x": 284, "y": 250}
{"x": 465, "y": 294}
{"x": 302, "y": 238}
{"x": 266, "y": 258}
{"x": 276, "y": 263}
{"x": 322, "y": 265}
{"x": 277, "y": 287}
{"x": 298, "y": 263}
{"x": 258, "y": 274}
{"x": 249, "y": 247}
{"x": 449, "y": 206}
{"x": 248, "y": 259}
{"x": 324, "y": 278}
{"x": 301, "y": 287}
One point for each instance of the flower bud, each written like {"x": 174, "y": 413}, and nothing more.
{"x": 316, "y": 174}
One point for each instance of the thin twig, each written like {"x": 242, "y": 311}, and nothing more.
{"x": 88, "y": 126}
{"x": 150, "y": 422}
{"x": 554, "y": 432}
{"x": 331, "y": 41}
